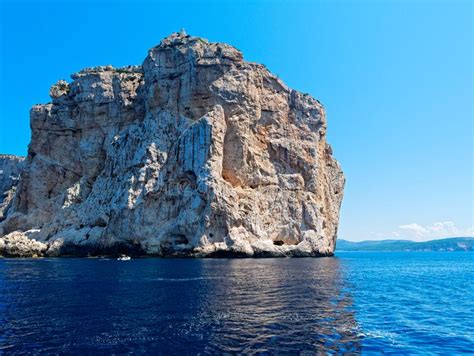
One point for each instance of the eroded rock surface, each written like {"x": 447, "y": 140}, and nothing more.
{"x": 194, "y": 153}
{"x": 10, "y": 169}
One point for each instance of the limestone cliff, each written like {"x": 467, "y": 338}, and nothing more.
{"x": 194, "y": 153}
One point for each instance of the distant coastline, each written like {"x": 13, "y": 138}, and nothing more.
{"x": 452, "y": 244}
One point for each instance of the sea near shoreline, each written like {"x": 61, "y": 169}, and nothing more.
{"x": 353, "y": 302}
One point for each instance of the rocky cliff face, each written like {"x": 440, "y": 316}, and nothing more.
{"x": 194, "y": 153}
{"x": 10, "y": 168}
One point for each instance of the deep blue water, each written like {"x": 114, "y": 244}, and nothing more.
{"x": 355, "y": 302}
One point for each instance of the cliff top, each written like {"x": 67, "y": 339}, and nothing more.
{"x": 175, "y": 39}
{"x": 11, "y": 157}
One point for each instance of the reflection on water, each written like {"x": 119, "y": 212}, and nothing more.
{"x": 280, "y": 305}
{"x": 81, "y": 305}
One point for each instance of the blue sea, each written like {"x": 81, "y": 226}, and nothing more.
{"x": 369, "y": 303}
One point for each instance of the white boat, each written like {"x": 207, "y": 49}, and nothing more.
{"x": 124, "y": 258}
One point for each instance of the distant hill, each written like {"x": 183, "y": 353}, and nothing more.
{"x": 450, "y": 244}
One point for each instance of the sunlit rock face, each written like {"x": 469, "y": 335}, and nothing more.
{"x": 194, "y": 153}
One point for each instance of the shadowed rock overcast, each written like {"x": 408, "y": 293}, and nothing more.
{"x": 196, "y": 152}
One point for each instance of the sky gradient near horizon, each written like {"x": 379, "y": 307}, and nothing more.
{"x": 396, "y": 79}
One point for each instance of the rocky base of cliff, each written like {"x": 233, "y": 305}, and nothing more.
{"x": 24, "y": 244}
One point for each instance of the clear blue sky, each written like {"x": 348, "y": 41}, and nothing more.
{"x": 396, "y": 78}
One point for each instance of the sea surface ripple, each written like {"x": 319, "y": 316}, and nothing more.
{"x": 352, "y": 303}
